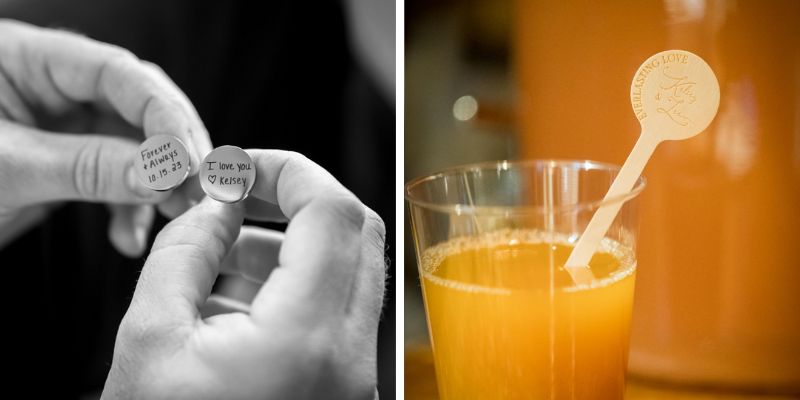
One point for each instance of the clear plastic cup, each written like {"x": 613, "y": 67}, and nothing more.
{"x": 505, "y": 319}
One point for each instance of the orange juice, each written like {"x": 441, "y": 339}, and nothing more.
{"x": 507, "y": 322}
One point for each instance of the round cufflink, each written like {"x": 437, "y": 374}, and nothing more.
{"x": 227, "y": 174}
{"x": 162, "y": 162}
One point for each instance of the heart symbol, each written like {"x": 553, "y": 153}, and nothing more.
{"x": 212, "y": 178}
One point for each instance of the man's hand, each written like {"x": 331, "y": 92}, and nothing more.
{"x": 310, "y": 332}
{"x": 48, "y": 75}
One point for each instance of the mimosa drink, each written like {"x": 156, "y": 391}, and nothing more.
{"x": 505, "y": 319}
{"x": 507, "y": 322}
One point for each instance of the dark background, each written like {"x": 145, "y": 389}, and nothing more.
{"x": 281, "y": 78}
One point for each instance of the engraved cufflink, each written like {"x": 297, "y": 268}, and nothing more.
{"x": 227, "y": 174}
{"x": 162, "y": 162}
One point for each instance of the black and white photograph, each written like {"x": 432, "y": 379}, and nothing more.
{"x": 197, "y": 199}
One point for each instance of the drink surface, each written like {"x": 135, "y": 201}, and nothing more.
{"x": 506, "y": 321}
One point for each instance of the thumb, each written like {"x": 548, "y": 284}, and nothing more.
{"x": 184, "y": 262}
{"x": 41, "y": 167}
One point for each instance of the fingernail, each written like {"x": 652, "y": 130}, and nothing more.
{"x": 142, "y": 220}
{"x": 140, "y": 235}
{"x": 196, "y": 162}
{"x": 136, "y": 187}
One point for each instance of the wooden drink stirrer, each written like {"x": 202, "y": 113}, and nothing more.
{"x": 675, "y": 96}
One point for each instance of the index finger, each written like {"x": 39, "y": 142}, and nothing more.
{"x": 320, "y": 254}
{"x": 56, "y": 68}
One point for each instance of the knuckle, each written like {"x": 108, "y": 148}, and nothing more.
{"x": 87, "y": 172}
{"x": 294, "y": 156}
{"x": 62, "y": 35}
{"x": 144, "y": 330}
{"x": 155, "y": 68}
{"x": 138, "y": 331}
{"x": 348, "y": 209}
{"x": 374, "y": 226}
{"x": 208, "y": 243}
{"x": 115, "y": 59}
{"x": 293, "y": 160}
{"x": 119, "y": 56}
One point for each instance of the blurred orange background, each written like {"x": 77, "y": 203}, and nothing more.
{"x": 716, "y": 304}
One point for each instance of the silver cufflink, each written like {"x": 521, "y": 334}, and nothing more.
{"x": 162, "y": 162}
{"x": 227, "y": 174}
